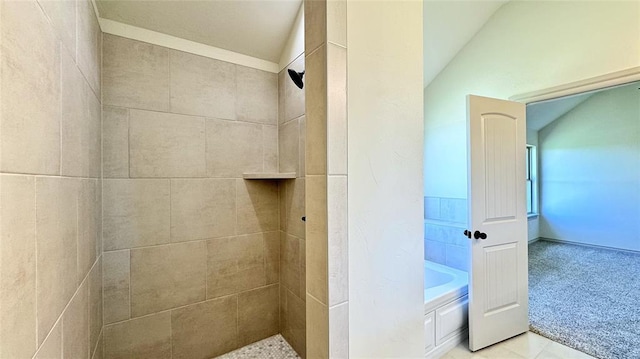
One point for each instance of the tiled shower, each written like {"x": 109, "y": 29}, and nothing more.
{"x": 128, "y": 230}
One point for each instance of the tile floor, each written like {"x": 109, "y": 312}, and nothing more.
{"x": 527, "y": 345}
{"x": 275, "y": 347}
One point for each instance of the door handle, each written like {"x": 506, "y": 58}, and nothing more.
{"x": 467, "y": 233}
{"x": 479, "y": 235}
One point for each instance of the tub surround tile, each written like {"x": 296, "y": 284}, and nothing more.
{"x": 75, "y": 325}
{"x": 168, "y": 276}
{"x": 116, "y": 286}
{"x": 146, "y": 337}
{"x": 115, "y": 145}
{"x": 434, "y": 252}
{"x": 135, "y": 74}
{"x": 258, "y": 314}
{"x": 56, "y": 239}
{"x": 166, "y": 145}
{"x": 205, "y": 330}
{"x": 202, "y": 86}
{"x": 136, "y": 213}
{"x": 202, "y": 209}
{"x": 431, "y": 207}
{"x": 30, "y": 66}
{"x": 257, "y": 203}
{"x": 235, "y": 264}
{"x": 18, "y": 266}
{"x": 257, "y": 93}
{"x": 233, "y": 148}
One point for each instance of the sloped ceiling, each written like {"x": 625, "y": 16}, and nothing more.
{"x": 257, "y": 28}
{"x": 543, "y": 113}
{"x": 448, "y": 26}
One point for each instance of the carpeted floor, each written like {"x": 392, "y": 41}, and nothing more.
{"x": 586, "y": 298}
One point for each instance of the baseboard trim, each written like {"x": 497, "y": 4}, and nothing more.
{"x": 585, "y": 245}
{"x": 445, "y": 347}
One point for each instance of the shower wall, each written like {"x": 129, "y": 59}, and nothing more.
{"x": 291, "y": 143}
{"x": 50, "y": 200}
{"x": 191, "y": 256}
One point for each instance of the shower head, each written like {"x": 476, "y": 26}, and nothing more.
{"x": 296, "y": 77}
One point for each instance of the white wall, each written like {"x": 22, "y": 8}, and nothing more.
{"x": 525, "y": 46}
{"x": 385, "y": 195}
{"x": 590, "y": 172}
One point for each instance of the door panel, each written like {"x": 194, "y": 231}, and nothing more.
{"x": 498, "y": 293}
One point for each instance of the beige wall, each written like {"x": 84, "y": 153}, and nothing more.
{"x": 50, "y": 200}
{"x": 386, "y": 304}
{"x": 191, "y": 249}
{"x": 291, "y": 144}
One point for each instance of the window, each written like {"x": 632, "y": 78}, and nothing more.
{"x": 532, "y": 203}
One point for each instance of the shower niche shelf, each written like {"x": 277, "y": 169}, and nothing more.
{"x": 268, "y": 176}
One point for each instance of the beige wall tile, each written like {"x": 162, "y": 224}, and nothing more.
{"x": 288, "y": 146}
{"x": 272, "y": 256}
{"x": 293, "y": 96}
{"x": 88, "y": 218}
{"x": 303, "y": 269}
{"x": 205, "y": 330}
{"x": 257, "y": 203}
{"x": 233, "y": 148}
{"x": 135, "y": 74}
{"x": 257, "y": 96}
{"x": 316, "y": 112}
{"x": 337, "y": 22}
{"x": 62, "y": 14}
{"x": 282, "y": 77}
{"x": 168, "y": 276}
{"x": 235, "y": 264}
{"x": 336, "y": 109}
{"x": 115, "y": 142}
{"x": 318, "y": 333}
{"x": 258, "y": 314}
{"x": 270, "y": 148}
{"x": 30, "y": 91}
{"x": 136, "y": 213}
{"x": 202, "y": 209}
{"x": 80, "y": 123}
{"x": 290, "y": 263}
{"x": 295, "y": 208}
{"x": 282, "y": 208}
{"x": 145, "y": 338}
{"x": 52, "y": 346}
{"x": 89, "y": 44}
{"x": 116, "y": 274}
{"x": 95, "y": 305}
{"x": 17, "y": 267}
{"x": 202, "y": 86}
{"x": 303, "y": 145}
{"x": 339, "y": 331}
{"x": 75, "y": 325}
{"x": 56, "y": 239}
{"x": 296, "y": 324}
{"x": 338, "y": 239}
{"x": 166, "y": 145}
{"x": 315, "y": 24}
{"x": 316, "y": 241}
{"x": 98, "y": 352}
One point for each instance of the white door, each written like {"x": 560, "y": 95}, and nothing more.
{"x": 498, "y": 292}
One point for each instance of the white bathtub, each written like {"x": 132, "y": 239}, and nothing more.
{"x": 445, "y": 308}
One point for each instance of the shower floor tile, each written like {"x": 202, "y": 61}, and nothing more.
{"x": 274, "y": 347}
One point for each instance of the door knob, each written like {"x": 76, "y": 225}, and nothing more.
{"x": 479, "y": 235}
{"x": 467, "y": 233}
